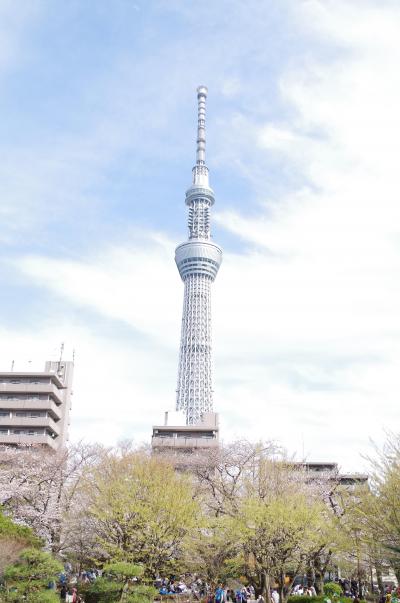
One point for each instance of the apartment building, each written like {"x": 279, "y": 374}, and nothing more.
{"x": 181, "y": 437}
{"x": 35, "y": 406}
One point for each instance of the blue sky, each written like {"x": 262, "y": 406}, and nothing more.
{"x": 97, "y": 141}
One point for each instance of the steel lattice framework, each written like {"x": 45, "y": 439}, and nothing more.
{"x": 198, "y": 261}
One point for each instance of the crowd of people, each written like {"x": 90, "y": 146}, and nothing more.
{"x": 302, "y": 591}
{"x": 390, "y": 595}
{"x": 69, "y": 583}
{"x": 203, "y": 591}
{"x": 242, "y": 594}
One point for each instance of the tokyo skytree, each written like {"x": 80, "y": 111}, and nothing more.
{"x": 198, "y": 261}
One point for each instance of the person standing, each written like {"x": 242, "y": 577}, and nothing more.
{"x": 219, "y": 596}
{"x": 275, "y": 596}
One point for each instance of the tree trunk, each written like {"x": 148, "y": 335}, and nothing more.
{"x": 379, "y": 577}
{"x": 319, "y": 583}
{"x": 282, "y": 588}
{"x": 124, "y": 590}
{"x": 285, "y": 589}
{"x": 310, "y": 576}
{"x": 266, "y": 586}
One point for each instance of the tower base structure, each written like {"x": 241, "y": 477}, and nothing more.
{"x": 175, "y": 435}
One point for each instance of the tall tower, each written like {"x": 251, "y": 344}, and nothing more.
{"x": 198, "y": 261}
{"x": 195, "y": 425}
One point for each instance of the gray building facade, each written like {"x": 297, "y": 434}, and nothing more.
{"x": 35, "y": 406}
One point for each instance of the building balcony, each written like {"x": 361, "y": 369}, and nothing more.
{"x": 31, "y": 388}
{"x": 35, "y": 405}
{"x": 24, "y": 422}
{"x": 183, "y": 443}
{"x": 27, "y": 440}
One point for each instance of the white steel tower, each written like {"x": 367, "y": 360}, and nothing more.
{"x": 198, "y": 261}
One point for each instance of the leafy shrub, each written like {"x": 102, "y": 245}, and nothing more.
{"x": 27, "y": 579}
{"x": 44, "y": 596}
{"x": 14, "y": 539}
{"x": 10, "y": 529}
{"x": 104, "y": 590}
{"x": 123, "y": 570}
{"x": 331, "y": 589}
{"x": 319, "y": 599}
{"x": 142, "y": 594}
{"x": 306, "y": 599}
{"x": 101, "y": 591}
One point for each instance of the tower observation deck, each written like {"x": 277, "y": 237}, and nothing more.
{"x": 198, "y": 261}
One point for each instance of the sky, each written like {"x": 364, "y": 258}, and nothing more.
{"x": 97, "y": 142}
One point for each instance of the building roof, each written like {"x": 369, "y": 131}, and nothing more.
{"x": 53, "y": 376}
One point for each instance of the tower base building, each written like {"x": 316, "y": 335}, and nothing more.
{"x": 186, "y": 438}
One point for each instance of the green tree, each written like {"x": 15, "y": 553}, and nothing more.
{"x": 331, "y": 589}
{"x": 118, "y": 584}
{"x": 211, "y": 549}
{"x": 374, "y": 511}
{"x": 14, "y": 539}
{"x": 142, "y": 510}
{"x": 30, "y": 576}
{"x": 278, "y": 535}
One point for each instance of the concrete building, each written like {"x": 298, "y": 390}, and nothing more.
{"x": 330, "y": 471}
{"x": 34, "y": 406}
{"x": 198, "y": 260}
{"x": 202, "y": 435}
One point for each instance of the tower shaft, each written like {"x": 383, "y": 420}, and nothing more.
{"x": 198, "y": 261}
{"x": 195, "y": 394}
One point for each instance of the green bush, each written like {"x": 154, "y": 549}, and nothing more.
{"x": 320, "y": 599}
{"x": 123, "y": 570}
{"x": 101, "y": 591}
{"x": 27, "y": 579}
{"x": 306, "y": 599}
{"x": 142, "y": 594}
{"x": 44, "y": 596}
{"x": 9, "y": 529}
{"x": 104, "y": 590}
{"x": 331, "y": 589}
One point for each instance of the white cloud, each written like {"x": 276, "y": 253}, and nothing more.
{"x": 123, "y": 283}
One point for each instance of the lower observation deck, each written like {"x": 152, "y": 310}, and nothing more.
{"x": 198, "y": 257}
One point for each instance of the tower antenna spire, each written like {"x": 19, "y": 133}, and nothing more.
{"x": 200, "y": 170}
{"x": 202, "y": 92}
